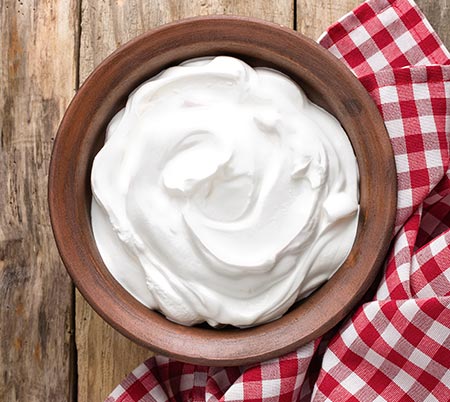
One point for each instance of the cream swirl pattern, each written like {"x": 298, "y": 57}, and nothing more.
{"x": 222, "y": 194}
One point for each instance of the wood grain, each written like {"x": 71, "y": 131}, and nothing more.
{"x": 104, "y": 356}
{"x": 37, "y": 81}
{"x": 314, "y": 16}
{"x": 438, "y": 13}
{"x": 108, "y": 24}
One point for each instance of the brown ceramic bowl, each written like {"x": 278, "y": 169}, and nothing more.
{"x": 326, "y": 81}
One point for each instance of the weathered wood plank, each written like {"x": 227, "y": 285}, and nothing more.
{"x": 108, "y": 24}
{"x": 104, "y": 356}
{"x": 314, "y": 16}
{"x": 438, "y": 13}
{"x": 37, "y": 80}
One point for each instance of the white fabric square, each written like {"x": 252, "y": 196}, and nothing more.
{"x": 391, "y": 335}
{"x": 371, "y": 310}
{"x": 447, "y": 84}
{"x": 139, "y": 371}
{"x": 388, "y": 94}
{"x": 431, "y": 398}
{"x": 383, "y": 291}
{"x": 200, "y": 379}
{"x": 447, "y": 274}
{"x": 404, "y": 380}
{"x": 374, "y": 358}
{"x": 353, "y": 383}
{"x": 271, "y": 387}
{"x": 158, "y": 393}
{"x": 433, "y": 158}
{"x": 409, "y": 309}
{"x": 377, "y": 62}
{"x": 306, "y": 351}
{"x": 421, "y": 91}
{"x": 186, "y": 381}
{"x": 118, "y": 391}
{"x": 414, "y": 263}
{"x": 402, "y": 163}
{"x": 419, "y": 358}
{"x": 438, "y": 332}
{"x": 388, "y": 16}
{"x": 221, "y": 378}
{"x": 405, "y": 42}
{"x": 350, "y": 335}
{"x": 405, "y": 198}
{"x": 236, "y": 391}
{"x": 334, "y": 50}
{"x": 330, "y": 360}
{"x": 359, "y": 36}
{"x": 395, "y": 128}
{"x": 426, "y": 291}
{"x": 401, "y": 243}
{"x": 404, "y": 273}
{"x": 427, "y": 124}
{"x": 437, "y": 245}
{"x": 446, "y": 377}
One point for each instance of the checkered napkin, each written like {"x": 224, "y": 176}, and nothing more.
{"x": 396, "y": 347}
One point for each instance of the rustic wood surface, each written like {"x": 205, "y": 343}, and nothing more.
{"x": 313, "y": 17}
{"x": 47, "y": 47}
{"x": 37, "y": 80}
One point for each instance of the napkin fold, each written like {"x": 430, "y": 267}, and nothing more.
{"x": 397, "y": 346}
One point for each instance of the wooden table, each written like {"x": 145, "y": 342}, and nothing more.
{"x": 53, "y": 347}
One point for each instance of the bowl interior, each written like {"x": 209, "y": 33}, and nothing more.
{"x": 326, "y": 81}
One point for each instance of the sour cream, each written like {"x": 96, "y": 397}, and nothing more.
{"x": 222, "y": 194}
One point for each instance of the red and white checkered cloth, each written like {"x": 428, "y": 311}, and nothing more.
{"x": 396, "y": 347}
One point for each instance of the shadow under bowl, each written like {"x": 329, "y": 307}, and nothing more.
{"x": 326, "y": 81}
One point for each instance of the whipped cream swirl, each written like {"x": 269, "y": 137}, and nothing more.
{"x": 222, "y": 194}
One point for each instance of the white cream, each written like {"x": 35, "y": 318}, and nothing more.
{"x": 222, "y": 194}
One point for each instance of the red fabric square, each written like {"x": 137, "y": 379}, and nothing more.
{"x": 409, "y": 108}
{"x": 420, "y": 178}
{"x": 414, "y": 143}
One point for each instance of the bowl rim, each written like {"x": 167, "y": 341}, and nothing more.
{"x": 196, "y": 345}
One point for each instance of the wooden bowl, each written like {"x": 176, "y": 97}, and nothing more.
{"x": 326, "y": 81}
